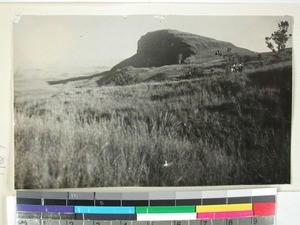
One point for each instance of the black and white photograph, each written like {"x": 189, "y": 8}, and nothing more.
{"x": 111, "y": 101}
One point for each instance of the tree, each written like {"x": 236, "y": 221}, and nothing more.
{"x": 277, "y": 41}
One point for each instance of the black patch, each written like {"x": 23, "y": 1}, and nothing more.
{"x": 162, "y": 202}
{"x": 135, "y": 203}
{"x": 55, "y": 202}
{"x": 214, "y": 201}
{"x": 270, "y": 198}
{"x": 237, "y": 200}
{"x": 29, "y": 201}
{"x": 108, "y": 202}
{"x": 81, "y": 202}
{"x": 188, "y": 202}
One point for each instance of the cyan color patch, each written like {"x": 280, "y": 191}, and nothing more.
{"x": 104, "y": 210}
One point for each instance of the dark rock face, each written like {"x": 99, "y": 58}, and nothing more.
{"x": 163, "y": 48}
{"x": 167, "y": 47}
{"x": 156, "y": 49}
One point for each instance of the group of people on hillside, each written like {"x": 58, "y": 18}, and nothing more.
{"x": 238, "y": 67}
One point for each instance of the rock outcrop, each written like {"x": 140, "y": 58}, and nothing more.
{"x": 167, "y": 47}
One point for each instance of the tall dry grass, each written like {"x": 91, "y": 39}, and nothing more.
{"x": 213, "y": 131}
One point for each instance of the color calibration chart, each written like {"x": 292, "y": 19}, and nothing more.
{"x": 220, "y": 207}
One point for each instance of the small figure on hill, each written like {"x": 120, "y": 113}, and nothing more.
{"x": 260, "y": 60}
{"x": 180, "y": 58}
{"x": 229, "y": 55}
{"x": 259, "y": 57}
{"x": 218, "y": 52}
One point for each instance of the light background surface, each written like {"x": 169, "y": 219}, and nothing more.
{"x": 9, "y": 13}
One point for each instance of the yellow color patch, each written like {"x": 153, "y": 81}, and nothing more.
{"x": 224, "y": 208}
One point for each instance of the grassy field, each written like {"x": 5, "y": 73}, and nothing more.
{"x": 215, "y": 130}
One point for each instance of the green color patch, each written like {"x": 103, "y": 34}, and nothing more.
{"x": 166, "y": 209}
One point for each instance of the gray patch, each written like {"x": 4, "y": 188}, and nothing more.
{"x": 245, "y": 221}
{"x": 265, "y": 220}
{"x": 28, "y": 222}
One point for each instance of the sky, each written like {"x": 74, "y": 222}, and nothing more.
{"x": 48, "y": 41}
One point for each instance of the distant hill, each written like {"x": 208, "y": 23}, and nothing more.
{"x": 157, "y": 60}
{"x": 57, "y": 72}
{"x": 166, "y": 47}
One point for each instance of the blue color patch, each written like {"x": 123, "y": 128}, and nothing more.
{"x": 104, "y": 209}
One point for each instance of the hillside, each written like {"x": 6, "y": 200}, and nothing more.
{"x": 166, "y": 47}
{"x": 117, "y": 128}
{"x": 214, "y": 67}
{"x": 219, "y": 130}
{"x": 157, "y": 60}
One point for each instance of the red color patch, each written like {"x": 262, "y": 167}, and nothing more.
{"x": 264, "y": 209}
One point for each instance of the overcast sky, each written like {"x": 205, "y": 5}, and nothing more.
{"x": 43, "y": 41}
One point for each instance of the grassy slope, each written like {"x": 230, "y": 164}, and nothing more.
{"x": 217, "y": 130}
{"x": 208, "y": 66}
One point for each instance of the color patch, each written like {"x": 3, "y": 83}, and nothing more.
{"x": 54, "y": 222}
{"x": 29, "y": 221}
{"x": 161, "y": 195}
{"x": 188, "y": 202}
{"x": 264, "y": 209}
{"x": 264, "y": 220}
{"x": 79, "y": 222}
{"x": 166, "y": 216}
{"x": 239, "y": 200}
{"x": 213, "y": 201}
{"x": 214, "y": 194}
{"x": 169, "y": 202}
{"x": 264, "y": 191}
{"x": 135, "y": 203}
{"x": 104, "y": 210}
{"x": 29, "y": 201}
{"x": 29, "y": 194}
{"x": 108, "y": 196}
{"x": 82, "y": 195}
{"x": 162, "y": 209}
{"x": 55, "y": 195}
{"x": 45, "y": 208}
{"x": 224, "y": 215}
{"x": 223, "y": 208}
{"x": 268, "y": 198}
{"x": 135, "y": 196}
{"x": 108, "y": 202}
{"x": 81, "y": 202}
{"x": 55, "y": 202}
{"x": 188, "y": 195}
{"x": 81, "y": 216}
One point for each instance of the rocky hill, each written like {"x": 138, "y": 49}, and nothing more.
{"x": 170, "y": 55}
{"x": 167, "y": 47}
